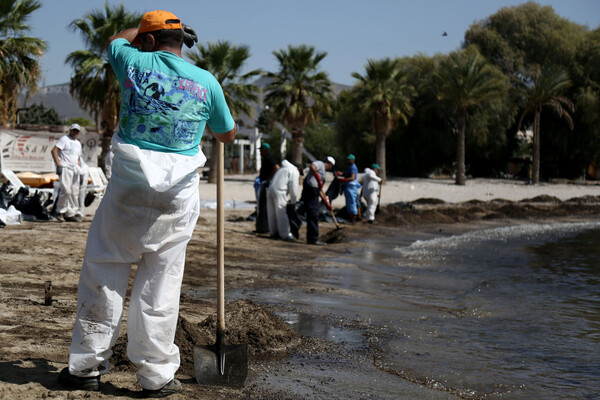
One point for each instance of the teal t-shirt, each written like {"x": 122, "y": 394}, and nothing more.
{"x": 166, "y": 101}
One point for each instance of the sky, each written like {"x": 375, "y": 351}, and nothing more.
{"x": 350, "y": 31}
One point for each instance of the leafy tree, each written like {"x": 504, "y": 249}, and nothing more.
{"x": 94, "y": 83}
{"x": 518, "y": 38}
{"x": 545, "y": 90}
{"x": 423, "y": 146}
{"x": 384, "y": 93}
{"x": 522, "y": 39}
{"x": 226, "y": 61}
{"x": 19, "y": 65}
{"x": 40, "y": 115}
{"x": 353, "y": 131}
{"x": 466, "y": 81}
{"x": 321, "y": 141}
{"x": 299, "y": 92}
{"x": 82, "y": 121}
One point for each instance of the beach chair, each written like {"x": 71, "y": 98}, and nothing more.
{"x": 13, "y": 179}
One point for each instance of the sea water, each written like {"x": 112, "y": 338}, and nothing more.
{"x": 498, "y": 313}
{"x": 510, "y": 312}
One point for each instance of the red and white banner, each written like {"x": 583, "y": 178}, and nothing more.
{"x": 31, "y": 151}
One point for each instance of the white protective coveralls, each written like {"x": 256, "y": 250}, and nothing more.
{"x": 84, "y": 174}
{"x": 285, "y": 182}
{"x": 371, "y": 192}
{"x": 68, "y": 155}
{"x": 147, "y": 215}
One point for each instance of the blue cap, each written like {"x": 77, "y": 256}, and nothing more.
{"x": 351, "y": 157}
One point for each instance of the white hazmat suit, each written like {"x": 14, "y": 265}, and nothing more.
{"x": 284, "y": 183}
{"x": 147, "y": 215}
{"x": 371, "y": 192}
{"x": 69, "y": 154}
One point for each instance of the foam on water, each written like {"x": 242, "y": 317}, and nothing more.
{"x": 435, "y": 249}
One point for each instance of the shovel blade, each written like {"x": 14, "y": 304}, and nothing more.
{"x": 229, "y": 367}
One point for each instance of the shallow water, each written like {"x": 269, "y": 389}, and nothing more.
{"x": 500, "y": 313}
{"x": 526, "y": 312}
{"x": 510, "y": 313}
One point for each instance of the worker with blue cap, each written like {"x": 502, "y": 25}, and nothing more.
{"x": 350, "y": 186}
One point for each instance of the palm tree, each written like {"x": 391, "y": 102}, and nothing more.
{"x": 545, "y": 91}
{"x": 466, "y": 81}
{"x": 19, "y": 65}
{"x": 299, "y": 93}
{"x": 384, "y": 93}
{"x": 94, "y": 83}
{"x": 225, "y": 61}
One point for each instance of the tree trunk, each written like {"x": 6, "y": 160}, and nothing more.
{"x": 297, "y": 147}
{"x": 535, "y": 166}
{"x": 460, "y": 149}
{"x": 380, "y": 153}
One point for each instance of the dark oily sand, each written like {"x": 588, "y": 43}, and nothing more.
{"x": 246, "y": 322}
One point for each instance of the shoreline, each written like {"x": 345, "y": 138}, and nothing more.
{"x": 34, "y": 338}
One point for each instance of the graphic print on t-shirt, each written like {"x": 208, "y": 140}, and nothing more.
{"x": 163, "y": 110}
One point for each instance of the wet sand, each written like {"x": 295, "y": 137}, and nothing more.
{"x": 284, "y": 363}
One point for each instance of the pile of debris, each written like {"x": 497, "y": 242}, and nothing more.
{"x": 23, "y": 205}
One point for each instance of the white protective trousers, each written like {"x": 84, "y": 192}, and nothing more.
{"x": 69, "y": 191}
{"x": 279, "y": 224}
{"x": 372, "y": 200}
{"x": 147, "y": 215}
{"x": 84, "y": 175}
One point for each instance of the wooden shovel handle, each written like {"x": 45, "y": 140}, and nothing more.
{"x": 220, "y": 239}
{"x": 330, "y": 207}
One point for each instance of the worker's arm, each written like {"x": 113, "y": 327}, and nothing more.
{"x": 55, "y": 156}
{"x": 275, "y": 168}
{"x": 315, "y": 173}
{"x": 225, "y": 137}
{"x": 127, "y": 34}
{"x": 348, "y": 178}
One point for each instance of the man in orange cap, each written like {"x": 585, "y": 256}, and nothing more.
{"x": 150, "y": 208}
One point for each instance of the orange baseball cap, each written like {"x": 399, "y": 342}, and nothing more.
{"x": 156, "y": 21}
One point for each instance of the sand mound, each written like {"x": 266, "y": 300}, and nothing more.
{"x": 428, "y": 200}
{"x": 246, "y": 322}
{"x": 542, "y": 199}
{"x": 587, "y": 199}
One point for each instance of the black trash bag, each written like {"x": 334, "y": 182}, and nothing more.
{"x": 31, "y": 205}
{"x": 251, "y": 217}
{"x": 18, "y": 199}
{"x": 294, "y": 219}
{"x": 89, "y": 199}
{"x": 262, "y": 222}
{"x": 5, "y": 196}
{"x": 334, "y": 189}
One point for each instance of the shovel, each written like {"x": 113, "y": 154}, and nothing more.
{"x": 221, "y": 364}
{"x": 330, "y": 208}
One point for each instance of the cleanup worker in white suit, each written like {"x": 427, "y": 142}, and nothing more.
{"x": 284, "y": 183}
{"x": 66, "y": 154}
{"x": 370, "y": 192}
{"x": 84, "y": 174}
{"x": 151, "y": 205}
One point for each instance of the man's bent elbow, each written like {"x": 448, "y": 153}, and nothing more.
{"x": 226, "y": 137}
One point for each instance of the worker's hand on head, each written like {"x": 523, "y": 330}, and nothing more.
{"x": 189, "y": 36}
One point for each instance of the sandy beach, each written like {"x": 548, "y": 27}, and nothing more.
{"x": 239, "y": 188}
{"x": 284, "y": 364}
